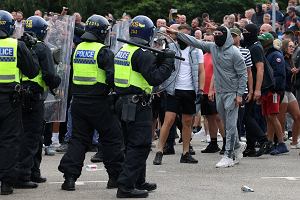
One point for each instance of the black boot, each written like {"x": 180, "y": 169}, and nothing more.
{"x": 147, "y": 186}
{"x": 6, "y": 188}
{"x": 169, "y": 150}
{"x": 133, "y": 193}
{"x": 25, "y": 185}
{"x": 69, "y": 184}
{"x": 112, "y": 183}
{"x": 158, "y": 158}
{"x": 191, "y": 150}
{"x": 98, "y": 157}
{"x": 38, "y": 179}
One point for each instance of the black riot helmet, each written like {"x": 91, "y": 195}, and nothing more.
{"x": 97, "y": 28}
{"x": 7, "y": 24}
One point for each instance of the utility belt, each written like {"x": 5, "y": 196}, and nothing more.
{"x": 26, "y": 96}
{"x": 130, "y": 103}
{"x": 144, "y": 100}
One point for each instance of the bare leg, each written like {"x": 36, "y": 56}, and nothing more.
{"x": 165, "y": 129}
{"x": 186, "y": 132}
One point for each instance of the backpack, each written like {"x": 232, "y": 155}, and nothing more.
{"x": 268, "y": 79}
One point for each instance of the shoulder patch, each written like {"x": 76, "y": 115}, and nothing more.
{"x": 278, "y": 60}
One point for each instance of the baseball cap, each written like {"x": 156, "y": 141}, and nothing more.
{"x": 266, "y": 36}
{"x": 235, "y": 31}
{"x": 266, "y": 39}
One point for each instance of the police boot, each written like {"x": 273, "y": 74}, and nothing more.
{"x": 69, "y": 183}
{"x": 6, "y": 188}
{"x": 112, "y": 183}
{"x": 133, "y": 193}
{"x": 98, "y": 157}
{"x": 25, "y": 185}
{"x": 147, "y": 186}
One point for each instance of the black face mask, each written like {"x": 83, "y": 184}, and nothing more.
{"x": 250, "y": 37}
{"x": 220, "y": 40}
{"x": 182, "y": 45}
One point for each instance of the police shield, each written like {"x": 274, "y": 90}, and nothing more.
{"x": 60, "y": 40}
{"x": 162, "y": 41}
{"x": 119, "y": 30}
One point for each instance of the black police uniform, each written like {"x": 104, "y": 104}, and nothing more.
{"x": 11, "y": 116}
{"x": 33, "y": 114}
{"x": 91, "y": 111}
{"x": 138, "y": 133}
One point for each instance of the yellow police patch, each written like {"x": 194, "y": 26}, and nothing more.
{"x": 2, "y": 22}
{"x": 28, "y": 24}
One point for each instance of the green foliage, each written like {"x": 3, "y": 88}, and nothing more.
{"x": 152, "y": 8}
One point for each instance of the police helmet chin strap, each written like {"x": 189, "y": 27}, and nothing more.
{"x": 164, "y": 88}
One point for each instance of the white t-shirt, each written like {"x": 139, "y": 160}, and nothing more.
{"x": 184, "y": 80}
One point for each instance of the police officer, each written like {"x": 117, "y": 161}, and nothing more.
{"x": 93, "y": 69}
{"x": 35, "y": 92}
{"x": 136, "y": 71}
{"x": 15, "y": 58}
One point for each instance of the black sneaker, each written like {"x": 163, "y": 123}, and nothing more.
{"x": 249, "y": 152}
{"x": 211, "y": 148}
{"x": 169, "y": 150}
{"x": 158, "y": 158}
{"x": 133, "y": 193}
{"x": 265, "y": 148}
{"x": 191, "y": 150}
{"x": 187, "y": 158}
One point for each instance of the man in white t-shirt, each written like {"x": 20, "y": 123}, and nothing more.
{"x": 184, "y": 84}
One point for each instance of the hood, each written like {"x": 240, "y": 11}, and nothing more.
{"x": 229, "y": 40}
{"x": 259, "y": 8}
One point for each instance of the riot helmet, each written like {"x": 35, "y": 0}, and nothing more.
{"x": 97, "y": 28}
{"x": 141, "y": 29}
{"x": 36, "y": 25}
{"x": 7, "y": 24}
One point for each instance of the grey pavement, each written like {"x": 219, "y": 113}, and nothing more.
{"x": 271, "y": 177}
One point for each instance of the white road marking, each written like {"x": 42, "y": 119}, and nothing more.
{"x": 80, "y": 182}
{"x": 287, "y": 178}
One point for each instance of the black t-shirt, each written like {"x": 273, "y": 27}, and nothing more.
{"x": 257, "y": 55}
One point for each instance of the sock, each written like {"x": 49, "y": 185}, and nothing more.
{"x": 55, "y": 137}
{"x": 214, "y": 141}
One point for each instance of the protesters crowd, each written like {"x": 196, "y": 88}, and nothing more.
{"x": 268, "y": 112}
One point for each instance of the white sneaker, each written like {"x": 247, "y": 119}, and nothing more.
{"x": 239, "y": 151}
{"x": 225, "y": 162}
{"x": 297, "y": 146}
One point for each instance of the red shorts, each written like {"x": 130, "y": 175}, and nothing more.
{"x": 270, "y": 103}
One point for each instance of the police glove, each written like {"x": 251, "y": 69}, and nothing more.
{"x": 29, "y": 39}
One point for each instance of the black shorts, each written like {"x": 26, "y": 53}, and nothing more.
{"x": 183, "y": 102}
{"x": 208, "y": 107}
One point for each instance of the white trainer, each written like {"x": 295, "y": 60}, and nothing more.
{"x": 297, "y": 146}
{"x": 225, "y": 162}
{"x": 239, "y": 151}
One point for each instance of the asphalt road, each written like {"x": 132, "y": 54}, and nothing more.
{"x": 271, "y": 177}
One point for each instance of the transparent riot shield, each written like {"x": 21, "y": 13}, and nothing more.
{"x": 119, "y": 30}
{"x": 60, "y": 40}
{"x": 162, "y": 41}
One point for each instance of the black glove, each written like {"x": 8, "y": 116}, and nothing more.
{"x": 55, "y": 83}
{"x": 29, "y": 39}
{"x": 168, "y": 58}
